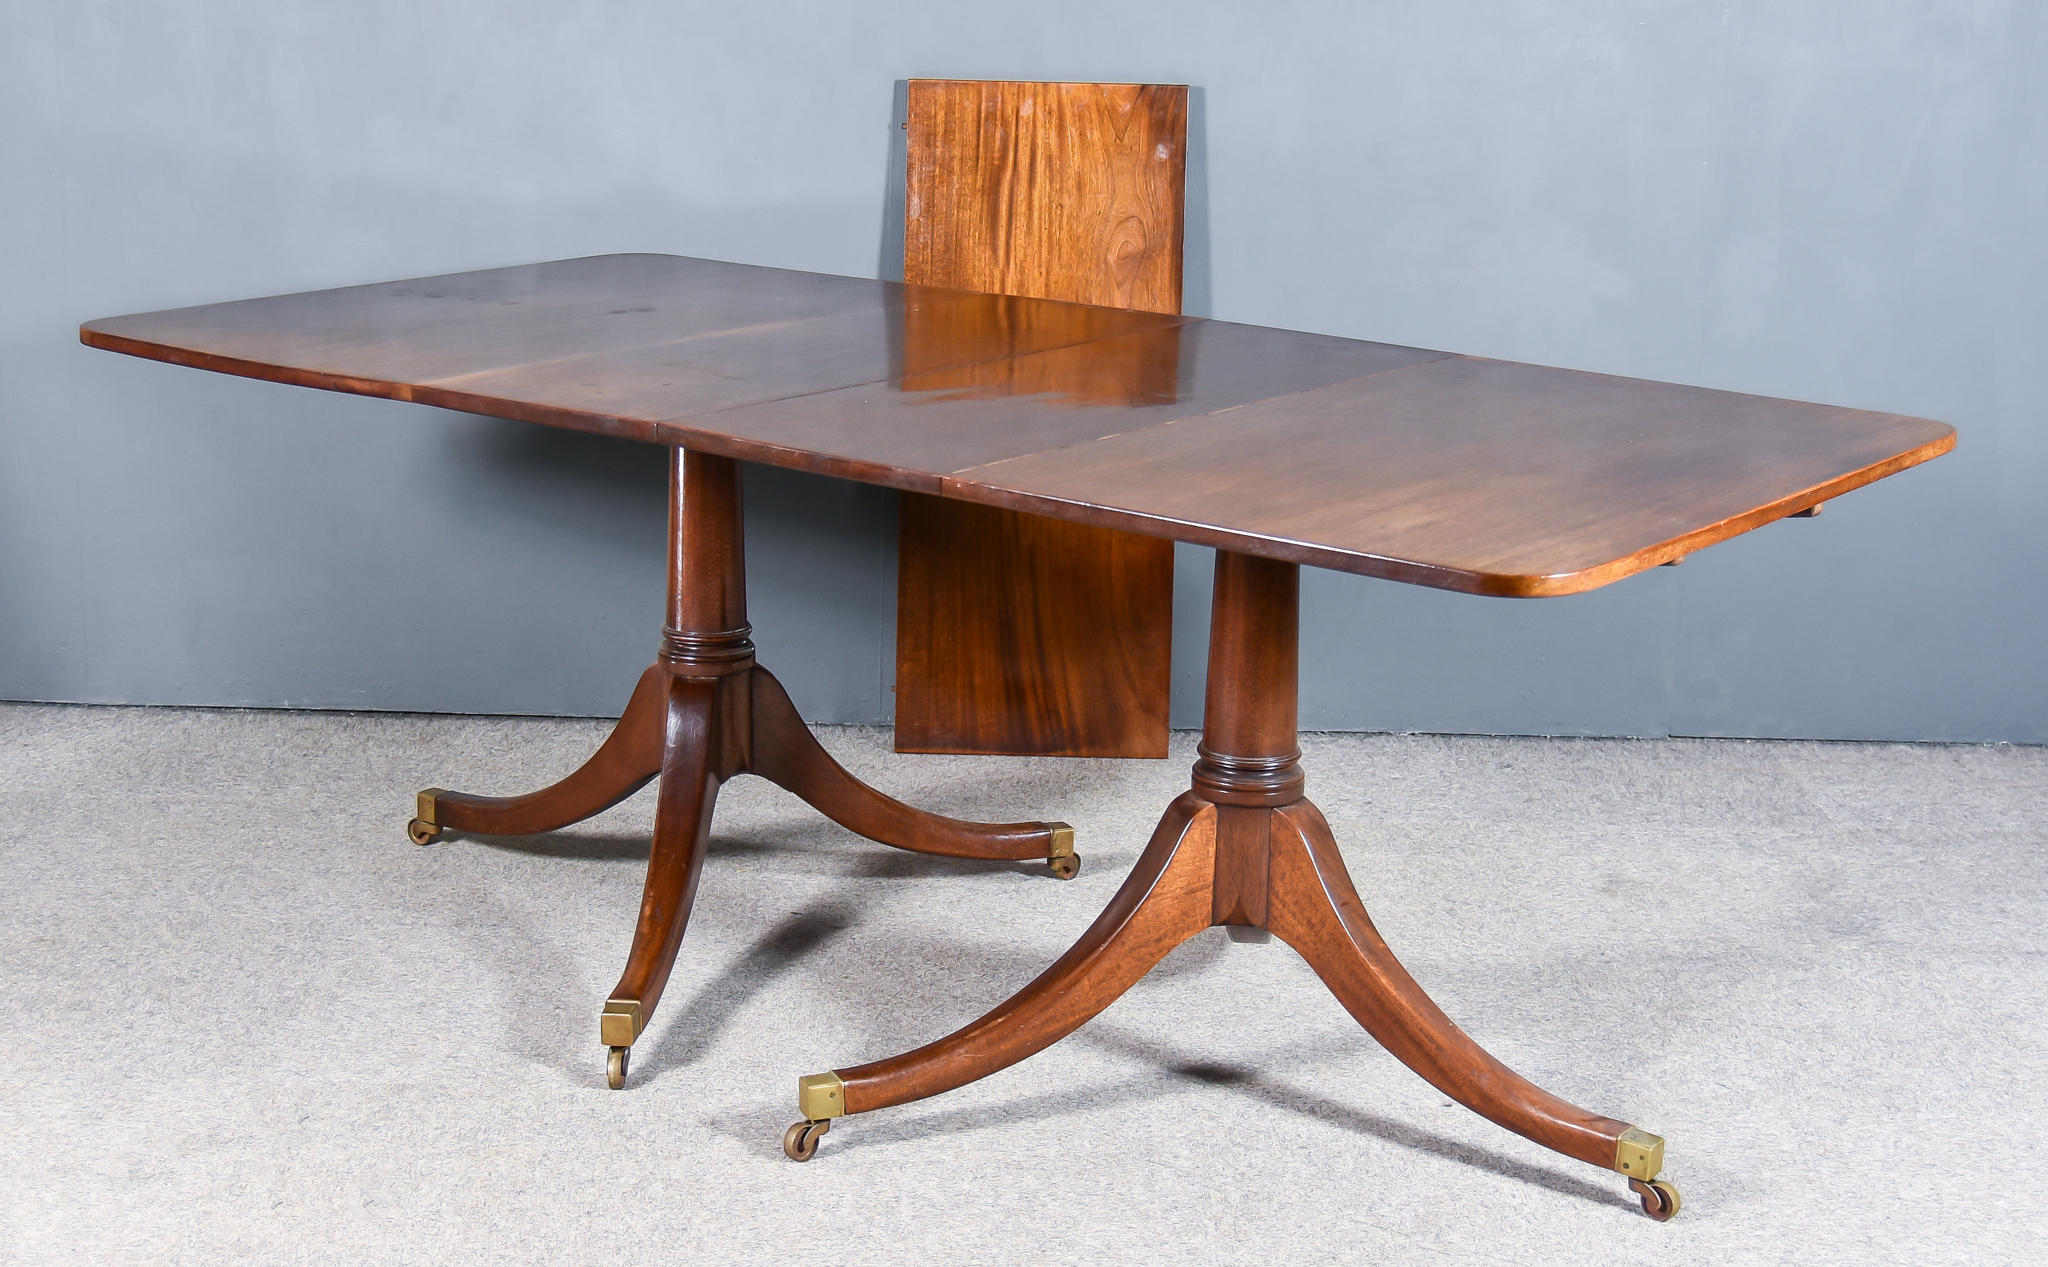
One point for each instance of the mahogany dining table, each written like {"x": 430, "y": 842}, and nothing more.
{"x": 1278, "y": 448}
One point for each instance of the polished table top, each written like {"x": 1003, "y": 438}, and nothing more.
{"x": 1452, "y": 471}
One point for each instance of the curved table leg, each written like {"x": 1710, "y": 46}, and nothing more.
{"x": 1243, "y": 848}
{"x": 1310, "y": 903}
{"x": 682, "y": 828}
{"x": 1316, "y": 910}
{"x": 787, "y": 754}
{"x": 622, "y": 765}
{"x": 1163, "y": 902}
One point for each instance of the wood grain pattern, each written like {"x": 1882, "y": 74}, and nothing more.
{"x": 1041, "y": 636}
{"x": 788, "y": 755}
{"x": 1248, "y": 755}
{"x": 1047, "y": 190}
{"x": 704, "y": 714}
{"x": 1465, "y": 474}
{"x": 1058, "y": 352}
{"x": 630, "y": 758}
{"x": 1447, "y": 471}
{"x": 1017, "y": 634}
{"x": 1474, "y": 475}
{"x": 1316, "y": 910}
{"x": 707, "y": 634}
{"x": 682, "y": 831}
{"x": 1243, "y": 848}
{"x": 1163, "y": 902}
{"x": 914, "y": 440}
{"x": 1260, "y": 856}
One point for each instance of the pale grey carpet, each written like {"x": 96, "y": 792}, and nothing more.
{"x": 242, "y": 1019}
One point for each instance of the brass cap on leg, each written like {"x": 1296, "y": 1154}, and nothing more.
{"x": 820, "y": 1096}
{"x": 426, "y": 804}
{"x": 1062, "y": 841}
{"x": 620, "y": 1022}
{"x": 1639, "y": 1154}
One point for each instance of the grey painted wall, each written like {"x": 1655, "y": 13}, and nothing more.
{"x": 1832, "y": 200}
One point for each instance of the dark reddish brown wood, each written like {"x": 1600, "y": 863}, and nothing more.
{"x": 1020, "y": 634}
{"x": 682, "y": 830}
{"x": 1474, "y": 475}
{"x": 1243, "y": 847}
{"x": 1316, "y": 910}
{"x": 1080, "y": 357}
{"x": 707, "y": 655}
{"x": 707, "y": 633}
{"x": 1243, "y": 843}
{"x": 1281, "y": 449}
{"x": 918, "y": 440}
{"x": 1248, "y": 755}
{"x": 1163, "y": 902}
{"x": 629, "y": 757}
{"x": 702, "y": 715}
{"x": 1465, "y": 474}
{"x": 786, "y": 753}
{"x": 1017, "y": 634}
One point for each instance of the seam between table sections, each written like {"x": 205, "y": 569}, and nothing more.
{"x": 761, "y": 325}
{"x": 965, "y": 472}
{"x": 679, "y": 419}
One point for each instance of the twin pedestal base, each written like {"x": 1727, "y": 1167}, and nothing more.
{"x": 1242, "y": 848}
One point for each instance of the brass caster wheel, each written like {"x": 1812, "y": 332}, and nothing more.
{"x": 615, "y": 1068}
{"x": 422, "y": 833}
{"x": 1660, "y": 1199}
{"x": 1066, "y": 866}
{"x": 800, "y": 1142}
